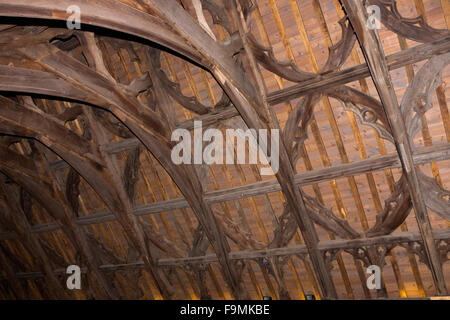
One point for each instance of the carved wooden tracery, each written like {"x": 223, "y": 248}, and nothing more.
{"x": 38, "y": 66}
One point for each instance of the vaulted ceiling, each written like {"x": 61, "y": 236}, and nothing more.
{"x": 87, "y": 179}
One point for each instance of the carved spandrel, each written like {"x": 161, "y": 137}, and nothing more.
{"x": 330, "y": 256}
{"x": 366, "y": 116}
{"x": 417, "y": 99}
{"x": 418, "y": 249}
{"x": 416, "y": 102}
{"x": 375, "y": 255}
{"x": 396, "y": 209}
{"x": 443, "y": 247}
{"x": 436, "y": 198}
{"x": 287, "y": 70}
{"x": 412, "y": 28}
{"x": 338, "y": 54}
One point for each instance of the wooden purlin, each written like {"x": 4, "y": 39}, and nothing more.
{"x": 421, "y": 156}
{"x": 396, "y": 239}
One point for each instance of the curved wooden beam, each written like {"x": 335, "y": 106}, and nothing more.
{"x": 100, "y": 89}
{"x": 411, "y": 28}
{"x": 55, "y": 206}
{"x": 436, "y": 197}
{"x": 8, "y": 268}
{"x": 173, "y": 88}
{"x": 109, "y": 14}
{"x": 286, "y": 70}
{"x": 396, "y": 210}
{"x": 12, "y": 216}
{"x": 417, "y": 100}
{"x": 142, "y": 121}
{"x": 77, "y": 90}
{"x": 88, "y": 161}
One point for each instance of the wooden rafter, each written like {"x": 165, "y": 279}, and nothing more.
{"x": 371, "y": 46}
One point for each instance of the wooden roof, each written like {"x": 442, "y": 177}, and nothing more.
{"x": 86, "y": 118}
